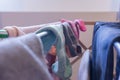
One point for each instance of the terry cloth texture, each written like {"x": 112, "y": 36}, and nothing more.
{"x": 22, "y": 59}
{"x": 62, "y": 68}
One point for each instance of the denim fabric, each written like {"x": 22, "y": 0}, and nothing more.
{"x": 63, "y": 68}
{"x": 71, "y": 41}
{"x": 104, "y": 35}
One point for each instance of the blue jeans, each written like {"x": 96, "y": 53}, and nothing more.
{"x": 104, "y": 36}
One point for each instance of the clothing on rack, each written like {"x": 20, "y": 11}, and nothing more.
{"x": 20, "y": 60}
{"x": 77, "y": 26}
{"x": 116, "y": 56}
{"x": 18, "y": 31}
{"x": 104, "y": 35}
{"x": 51, "y": 58}
{"x": 15, "y": 31}
{"x": 62, "y": 68}
{"x": 71, "y": 41}
{"x": 84, "y": 69}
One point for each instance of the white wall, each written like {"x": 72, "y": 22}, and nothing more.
{"x": 115, "y": 5}
{"x": 59, "y": 5}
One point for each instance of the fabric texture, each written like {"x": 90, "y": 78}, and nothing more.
{"x": 51, "y": 60}
{"x": 22, "y": 59}
{"x": 104, "y": 36}
{"x": 116, "y": 61}
{"x": 80, "y": 24}
{"x": 62, "y": 68}
{"x": 77, "y": 26}
{"x": 84, "y": 69}
{"x": 71, "y": 41}
{"x": 15, "y": 31}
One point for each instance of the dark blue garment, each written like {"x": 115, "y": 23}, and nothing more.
{"x": 104, "y": 36}
{"x": 117, "y": 48}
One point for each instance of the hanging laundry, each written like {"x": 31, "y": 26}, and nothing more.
{"x": 51, "y": 58}
{"x": 15, "y": 31}
{"x": 73, "y": 49}
{"x": 104, "y": 36}
{"x": 84, "y": 69}
{"x": 62, "y": 68}
{"x": 77, "y": 26}
{"x": 71, "y": 41}
{"x": 22, "y": 59}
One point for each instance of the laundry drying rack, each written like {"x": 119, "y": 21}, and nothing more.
{"x": 84, "y": 47}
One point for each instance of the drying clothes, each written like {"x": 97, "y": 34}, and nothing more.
{"x": 77, "y": 26}
{"x": 71, "y": 41}
{"x": 104, "y": 36}
{"x": 18, "y": 31}
{"x": 22, "y": 59}
{"x": 50, "y": 61}
{"x": 55, "y": 35}
{"x": 15, "y": 31}
{"x": 51, "y": 57}
{"x": 119, "y": 77}
{"x": 84, "y": 69}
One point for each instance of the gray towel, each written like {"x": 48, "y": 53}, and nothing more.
{"x": 62, "y": 67}
{"x": 22, "y": 59}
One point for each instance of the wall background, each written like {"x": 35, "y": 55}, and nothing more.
{"x": 59, "y": 5}
{"x": 36, "y": 18}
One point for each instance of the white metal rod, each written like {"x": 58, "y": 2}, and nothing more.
{"x": 117, "y": 47}
{"x": 42, "y": 34}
